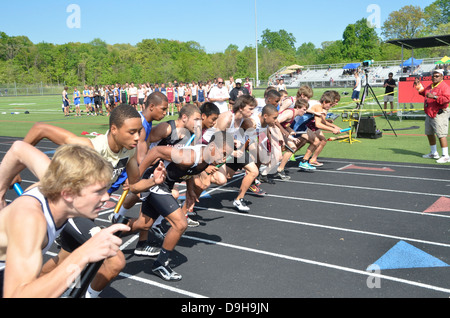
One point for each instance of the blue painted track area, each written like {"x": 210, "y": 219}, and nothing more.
{"x": 351, "y": 229}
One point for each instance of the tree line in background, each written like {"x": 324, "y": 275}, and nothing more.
{"x": 161, "y": 60}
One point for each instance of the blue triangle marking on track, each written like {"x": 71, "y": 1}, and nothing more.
{"x": 404, "y": 255}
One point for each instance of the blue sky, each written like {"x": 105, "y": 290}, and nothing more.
{"x": 213, "y": 24}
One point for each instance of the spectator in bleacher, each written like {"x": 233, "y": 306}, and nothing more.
{"x": 389, "y": 85}
{"x": 437, "y": 98}
{"x": 281, "y": 86}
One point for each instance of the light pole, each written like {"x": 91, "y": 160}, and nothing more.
{"x": 256, "y": 43}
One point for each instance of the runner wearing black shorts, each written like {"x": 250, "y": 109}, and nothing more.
{"x": 159, "y": 200}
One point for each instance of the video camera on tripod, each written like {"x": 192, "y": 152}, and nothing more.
{"x": 368, "y": 63}
{"x": 368, "y": 90}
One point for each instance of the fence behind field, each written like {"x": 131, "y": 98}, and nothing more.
{"x": 41, "y": 89}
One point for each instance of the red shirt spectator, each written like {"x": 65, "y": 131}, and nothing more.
{"x": 437, "y": 97}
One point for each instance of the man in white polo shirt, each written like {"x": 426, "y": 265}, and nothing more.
{"x": 219, "y": 95}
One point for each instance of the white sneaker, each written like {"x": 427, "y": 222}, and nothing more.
{"x": 443, "y": 159}
{"x": 431, "y": 156}
{"x": 192, "y": 223}
{"x": 240, "y": 205}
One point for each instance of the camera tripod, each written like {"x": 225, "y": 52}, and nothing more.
{"x": 368, "y": 89}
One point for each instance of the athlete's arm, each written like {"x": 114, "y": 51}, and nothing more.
{"x": 55, "y": 134}
{"x": 185, "y": 157}
{"x": 159, "y": 132}
{"x": 142, "y": 146}
{"x": 20, "y": 156}
{"x": 27, "y": 233}
{"x": 144, "y": 184}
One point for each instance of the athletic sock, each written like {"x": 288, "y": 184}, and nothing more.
{"x": 163, "y": 256}
{"x": 445, "y": 152}
{"x": 90, "y": 293}
{"x": 433, "y": 149}
{"x": 122, "y": 212}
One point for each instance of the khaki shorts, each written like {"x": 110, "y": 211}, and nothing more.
{"x": 438, "y": 125}
{"x": 388, "y": 98}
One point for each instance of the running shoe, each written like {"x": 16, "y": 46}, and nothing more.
{"x": 192, "y": 213}
{"x": 316, "y": 164}
{"x": 165, "y": 272}
{"x": 256, "y": 190}
{"x": 192, "y": 223}
{"x": 282, "y": 175}
{"x": 306, "y": 166}
{"x": 145, "y": 249}
{"x": 265, "y": 179}
{"x": 443, "y": 159}
{"x": 240, "y": 205}
{"x": 431, "y": 156}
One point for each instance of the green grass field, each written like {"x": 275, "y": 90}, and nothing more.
{"x": 408, "y": 146}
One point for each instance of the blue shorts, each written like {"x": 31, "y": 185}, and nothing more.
{"x": 116, "y": 185}
{"x": 76, "y": 101}
{"x": 355, "y": 95}
{"x": 87, "y": 100}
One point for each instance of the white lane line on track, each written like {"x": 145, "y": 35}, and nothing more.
{"x": 350, "y": 205}
{"x": 390, "y": 164}
{"x": 381, "y": 175}
{"x": 328, "y": 227}
{"x": 366, "y": 188}
{"x": 322, "y": 264}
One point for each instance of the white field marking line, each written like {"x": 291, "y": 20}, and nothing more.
{"x": 337, "y": 267}
{"x": 350, "y": 204}
{"x": 366, "y": 188}
{"x": 382, "y": 175}
{"x": 328, "y": 227}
